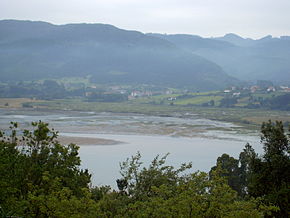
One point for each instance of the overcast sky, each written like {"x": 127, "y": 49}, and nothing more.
{"x": 248, "y": 18}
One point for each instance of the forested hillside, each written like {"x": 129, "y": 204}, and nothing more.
{"x": 39, "y": 50}
{"x": 247, "y": 59}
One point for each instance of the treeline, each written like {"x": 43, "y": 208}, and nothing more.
{"x": 39, "y": 177}
{"x": 46, "y": 90}
{"x": 281, "y": 102}
{"x": 50, "y": 89}
{"x": 107, "y": 97}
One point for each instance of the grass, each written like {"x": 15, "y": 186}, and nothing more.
{"x": 199, "y": 100}
{"x": 190, "y": 98}
{"x": 268, "y": 95}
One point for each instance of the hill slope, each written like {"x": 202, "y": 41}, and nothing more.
{"x": 247, "y": 59}
{"x": 35, "y": 50}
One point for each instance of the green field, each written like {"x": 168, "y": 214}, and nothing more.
{"x": 196, "y": 99}
{"x": 199, "y": 100}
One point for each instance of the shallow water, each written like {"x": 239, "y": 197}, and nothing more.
{"x": 103, "y": 161}
{"x": 189, "y": 139}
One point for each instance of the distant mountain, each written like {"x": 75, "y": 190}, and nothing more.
{"x": 36, "y": 50}
{"x": 193, "y": 42}
{"x": 236, "y": 40}
{"x": 247, "y": 59}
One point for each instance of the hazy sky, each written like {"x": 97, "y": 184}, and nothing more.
{"x": 248, "y": 18}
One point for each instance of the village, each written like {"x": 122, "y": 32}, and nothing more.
{"x": 263, "y": 94}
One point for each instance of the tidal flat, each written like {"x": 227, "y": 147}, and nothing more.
{"x": 175, "y": 124}
{"x": 106, "y": 139}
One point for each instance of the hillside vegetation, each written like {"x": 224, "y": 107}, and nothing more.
{"x": 39, "y": 50}
{"x": 267, "y": 58}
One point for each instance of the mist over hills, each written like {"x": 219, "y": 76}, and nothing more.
{"x": 267, "y": 58}
{"x": 36, "y": 50}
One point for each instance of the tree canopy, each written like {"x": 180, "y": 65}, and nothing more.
{"x": 264, "y": 176}
{"x": 39, "y": 177}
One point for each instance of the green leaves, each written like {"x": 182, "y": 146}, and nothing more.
{"x": 274, "y": 139}
{"x": 270, "y": 174}
{"x": 35, "y": 167}
{"x": 39, "y": 177}
{"x": 163, "y": 191}
{"x": 137, "y": 182}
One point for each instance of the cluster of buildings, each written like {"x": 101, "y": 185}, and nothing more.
{"x": 132, "y": 93}
{"x": 285, "y": 88}
{"x": 236, "y": 92}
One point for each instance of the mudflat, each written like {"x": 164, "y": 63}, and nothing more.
{"x": 86, "y": 141}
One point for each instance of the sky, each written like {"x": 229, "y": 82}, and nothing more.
{"x": 207, "y": 18}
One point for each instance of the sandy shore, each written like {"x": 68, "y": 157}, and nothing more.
{"x": 86, "y": 141}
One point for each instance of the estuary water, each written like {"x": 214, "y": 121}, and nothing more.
{"x": 103, "y": 161}
{"x": 186, "y": 139}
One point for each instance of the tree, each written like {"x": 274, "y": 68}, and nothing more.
{"x": 39, "y": 177}
{"x": 197, "y": 196}
{"x": 138, "y": 183}
{"x": 228, "y": 102}
{"x": 236, "y": 171}
{"x": 245, "y": 158}
{"x": 270, "y": 173}
{"x": 35, "y": 168}
{"x": 230, "y": 170}
{"x": 162, "y": 191}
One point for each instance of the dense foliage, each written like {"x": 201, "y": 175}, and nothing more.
{"x": 51, "y": 89}
{"x": 270, "y": 173}
{"x": 39, "y": 177}
{"x": 38, "y": 174}
{"x": 48, "y": 90}
{"x": 266, "y": 176}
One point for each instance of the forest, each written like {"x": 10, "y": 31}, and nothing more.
{"x": 39, "y": 177}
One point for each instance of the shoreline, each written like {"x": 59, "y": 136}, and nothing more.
{"x": 81, "y": 141}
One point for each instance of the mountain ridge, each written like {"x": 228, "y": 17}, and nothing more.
{"x": 33, "y": 50}
{"x": 247, "y": 59}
